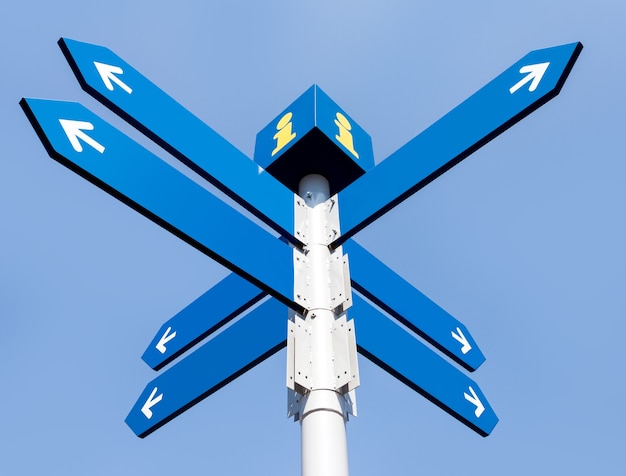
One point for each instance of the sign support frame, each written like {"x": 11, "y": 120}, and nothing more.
{"x": 323, "y": 409}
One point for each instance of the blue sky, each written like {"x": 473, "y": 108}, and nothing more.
{"x": 523, "y": 242}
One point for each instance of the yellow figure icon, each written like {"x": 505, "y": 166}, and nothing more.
{"x": 345, "y": 136}
{"x": 284, "y": 134}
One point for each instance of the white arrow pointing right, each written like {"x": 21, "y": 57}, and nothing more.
{"x": 165, "y": 339}
{"x": 460, "y": 337}
{"x": 474, "y": 400}
{"x": 74, "y": 131}
{"x": 535, "y": 74}
{"x": 152, "y": 401}
{"x": 107, "y": 72}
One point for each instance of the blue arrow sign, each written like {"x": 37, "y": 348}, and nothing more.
{"x": 83, "y": 142}
{"x": 215, "y": 308}
{"x": 228, "y": 355}
{"x": 412, "y": 308}
{"x": 403, "y": 356}
{"x": 521, "y": 89}
{"x": 124, "y": 90}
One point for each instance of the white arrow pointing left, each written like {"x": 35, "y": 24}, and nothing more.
{"x": 152, "y": 401}
{"x": 534, "y": 76}
{"x": 473, "y": 399}
{"x": 108, "y": 74}
{"x": 74, "y": 131}
{"x": 165, "y": 338}
{"x": 461, "y": 339}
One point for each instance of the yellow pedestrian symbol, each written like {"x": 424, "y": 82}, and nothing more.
{"x": 345, "y": 136}
{"x": 284, "y": 134}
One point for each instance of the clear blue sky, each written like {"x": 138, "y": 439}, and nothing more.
{"x": 523, "y": 242}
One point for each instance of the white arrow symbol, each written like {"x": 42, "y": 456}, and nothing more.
{"x": 460, "y": 337}
{"x": 535, "y": 74}
{"x": 74, "y": 131}
{"x": 165, "y": 339}
{"x": 474, "y": 400}
{"x": 107, "y": 72}
{"x": 152, "y": 401}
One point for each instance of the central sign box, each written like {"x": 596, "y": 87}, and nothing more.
{"x": 314, "y": 136}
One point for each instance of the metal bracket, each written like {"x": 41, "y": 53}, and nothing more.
{"x": 301, "y": 223}
{"x": 345, "y": 363}
{"x": 350, "y": 399}
{"x": 332, "y": 219}
{"x": 300, "y": 219}
{"x": 340, "y": 286}
{"x": 298, "y": 356}
{"x": 294, "y": 404}
{"x": 345, "y": 357}
{"x": 345, "y": 360}
{"x": 339, "y": 283}
{"x": 301, "y": 278}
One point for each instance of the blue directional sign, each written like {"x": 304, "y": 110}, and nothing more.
{"x": 397, "y": 297}
{"x": 522, "y": 88}
{"x": 201, "y": 318}
{"x": 119, "y": 86}
{"x": 229, "y": 354}
{"x": 400, "y": 354}
{"x": 83, "y": 142}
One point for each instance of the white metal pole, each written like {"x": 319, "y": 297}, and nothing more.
{"x": 323, "y": 413}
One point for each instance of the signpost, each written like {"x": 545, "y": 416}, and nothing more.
{"x": 314, "y": 192}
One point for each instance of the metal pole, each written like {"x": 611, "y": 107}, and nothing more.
{"x": 323, "y": 413}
